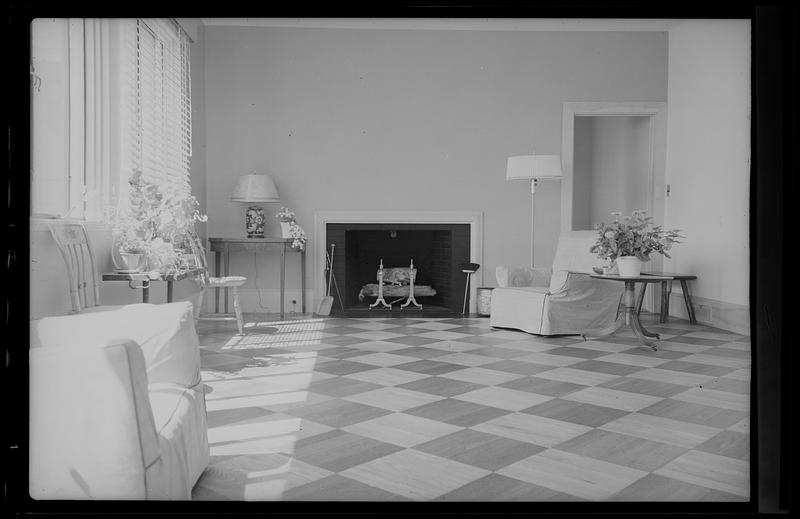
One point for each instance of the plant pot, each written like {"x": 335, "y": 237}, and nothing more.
{"x": 629, "y": 266}
{"x": 130, "y": 261}
{"x": 285, "y": 229}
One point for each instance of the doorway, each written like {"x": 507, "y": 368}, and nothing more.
{"x": 614, "y": 159}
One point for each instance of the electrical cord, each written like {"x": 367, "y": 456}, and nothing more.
{"x": 255, "y": 281}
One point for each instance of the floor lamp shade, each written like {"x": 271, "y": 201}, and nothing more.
{"x": 253, "y": 189}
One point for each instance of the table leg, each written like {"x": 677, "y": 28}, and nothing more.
{"x": 641, "y": 299}
{"x": 688, "y": 300}
{"x": 216, "y": 273}
{"x": 226, "y": 272}
{"x": 666, "y": 291}
{"x": 283, "y": 275}
{"x": 169, "y": 291}
{"x": 303, "y": 280}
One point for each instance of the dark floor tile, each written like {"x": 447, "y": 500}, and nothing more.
{"x": 479, "y": 449}
{"x": 542, "y": 386}
{"x": 728, "y": 443}
{"x": 621, "y": 449}
{"x": 610, "y": 368}
{"x": 517, "y": 367}
{"x": 343, "y": 367}
{"x": 441, "y": 386}
{"x": 496, "y": 487}
{"x": 341, "y": 386}
{"x": 337, "y": 413}
{"x": 339, "y": 450}
{"x": 694, "y": 367}
{"x": 576, "y": 412}
{"x": 344, "y": 340}
{"x": 499, "y": 352}
{"x": 653, "y": 487}
{"x": 571, "y": 351}
{"x": 694, "y": 413}
{"x": 429, "y": 367}
{"x": 412, "y": 340}
{"x": 644, "y": 386}
{"x": 339, "y": 488}
{"x": 420, "y": 352}
{"x": 457, "y": 412}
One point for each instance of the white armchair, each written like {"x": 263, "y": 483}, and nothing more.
{"x": 562, "y": 300}
{"x": 117, "y": 407}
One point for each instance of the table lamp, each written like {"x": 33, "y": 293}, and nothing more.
{"x": 252, "y": 189}
{"x": 533, "y": 168}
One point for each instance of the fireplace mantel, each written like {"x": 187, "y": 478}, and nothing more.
{"x": 322, "y": 218}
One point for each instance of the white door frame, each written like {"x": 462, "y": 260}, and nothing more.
{"x": 657, "y": 112}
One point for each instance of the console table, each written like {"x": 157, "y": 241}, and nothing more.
{"x": 629, "y": 304}
{"x": 222, "y": 248}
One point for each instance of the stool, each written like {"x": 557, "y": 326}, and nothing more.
{"x": 666, "y": 290}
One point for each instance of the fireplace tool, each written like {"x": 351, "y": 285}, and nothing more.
{"x": 326, "y": 303}
{"x": 468, "y": 268}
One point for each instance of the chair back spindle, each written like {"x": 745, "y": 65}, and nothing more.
{"x": 72, "y": 241}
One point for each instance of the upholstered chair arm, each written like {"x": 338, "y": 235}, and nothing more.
{"x": 522, "y": 276}
{"x": 586, "y": 302}
{"x": 165, "y": 333}
{"x": 92, "y": 432}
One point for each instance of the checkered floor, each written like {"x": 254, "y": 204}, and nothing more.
{"x": 343, "y": 409}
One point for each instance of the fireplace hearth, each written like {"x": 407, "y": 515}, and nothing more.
{"x": 436, "y": 250}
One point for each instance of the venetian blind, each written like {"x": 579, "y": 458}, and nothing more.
{"x": 157, "y": 136}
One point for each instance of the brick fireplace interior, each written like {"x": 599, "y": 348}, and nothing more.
{"x": 438, "y": 250}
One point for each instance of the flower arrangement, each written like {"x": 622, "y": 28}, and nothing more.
{"x": 298, "y": 236}
{"x": 155, "y": 222}
{"x": 633, "y": 235}
{"x": 285, "y": 215}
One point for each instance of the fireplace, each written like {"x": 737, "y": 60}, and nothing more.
{"x": 437, "y": 250}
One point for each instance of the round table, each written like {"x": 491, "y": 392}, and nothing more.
{"x": 629, "y": 305}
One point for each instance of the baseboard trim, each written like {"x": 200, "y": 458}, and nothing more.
{"x": 719, "y": 314}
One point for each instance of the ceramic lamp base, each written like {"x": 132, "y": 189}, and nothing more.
{"x": 254, "y": 221}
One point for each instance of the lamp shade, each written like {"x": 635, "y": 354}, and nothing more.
{"x": 255, "y": 188}
{"x": 529, "y": 167}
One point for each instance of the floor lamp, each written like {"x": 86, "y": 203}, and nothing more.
{"x": 533, "y": 168}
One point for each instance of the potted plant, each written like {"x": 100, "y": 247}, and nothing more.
{"x": 629, "y": 241}
{"x": 154, "y": 223}
{"x": 286, "y": 218}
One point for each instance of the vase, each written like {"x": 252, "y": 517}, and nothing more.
{"x": 285, "y": 229}
{"x": 629, "y": 266}
{"x": 130, "y": 262}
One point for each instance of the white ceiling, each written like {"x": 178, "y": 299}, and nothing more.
{"x": 467, "y": 24}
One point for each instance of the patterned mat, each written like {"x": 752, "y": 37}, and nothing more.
{"x": 344, "y": 409}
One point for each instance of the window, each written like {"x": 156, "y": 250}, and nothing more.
{"x": 157, "y": 104}
{"x": 108, "y": 97}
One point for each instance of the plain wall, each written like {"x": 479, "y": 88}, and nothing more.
{"x": 352, "y": 119}
{"x": 708, "y": 159}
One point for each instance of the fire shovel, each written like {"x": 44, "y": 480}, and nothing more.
{"x": 326, "y": 303}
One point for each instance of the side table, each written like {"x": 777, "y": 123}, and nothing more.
{"x": 629, "y": 305}
{"x": 666, "y": 291}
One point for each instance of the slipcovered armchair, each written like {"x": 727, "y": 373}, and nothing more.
{"x": 117, "y": 405}
{"x": 561, "y": 300}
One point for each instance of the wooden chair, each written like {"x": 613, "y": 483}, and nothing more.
{"x": 207, "y": 282}
{"x": 84, "y": 285}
